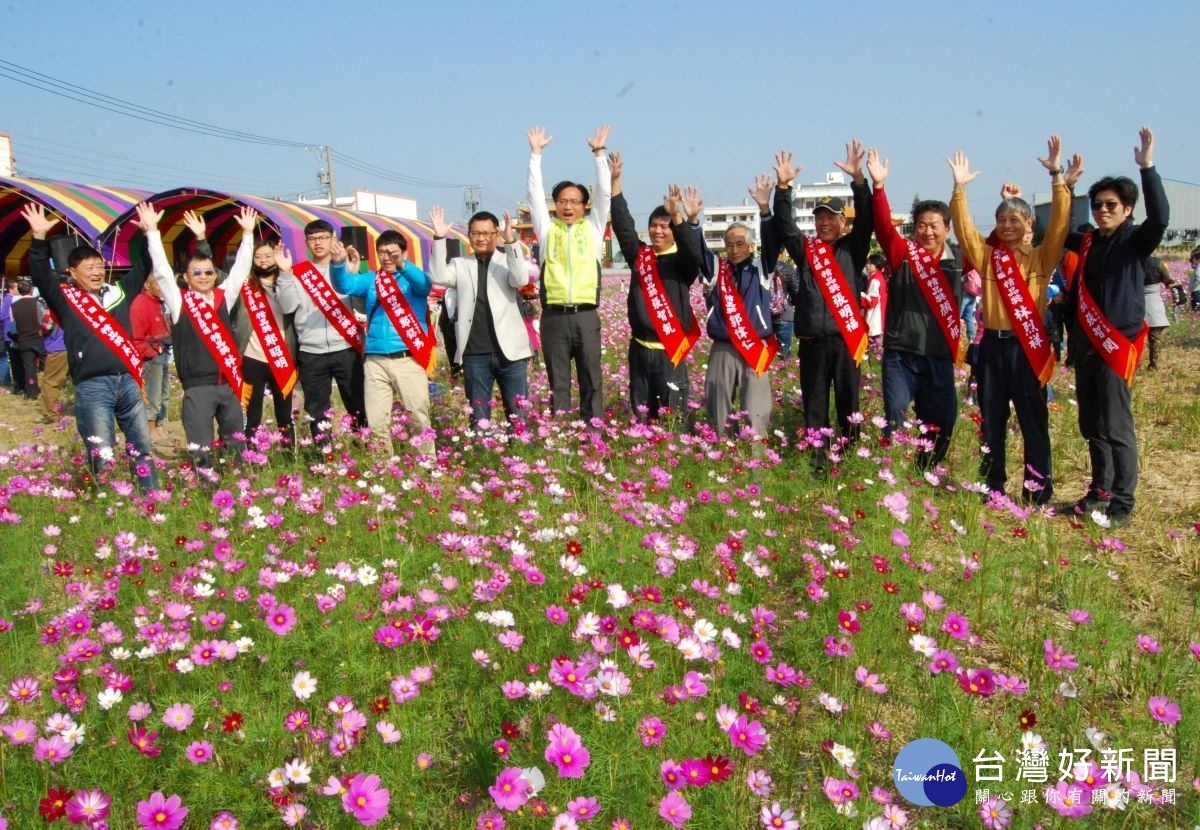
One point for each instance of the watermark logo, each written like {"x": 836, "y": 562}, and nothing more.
{"x": 927, "y": 772}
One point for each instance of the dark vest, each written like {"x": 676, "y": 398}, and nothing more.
{"x": 193, "y": 361}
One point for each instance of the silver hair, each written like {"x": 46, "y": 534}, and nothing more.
{"x": 743, "y": 227}
{"x": 1017, "y": 205}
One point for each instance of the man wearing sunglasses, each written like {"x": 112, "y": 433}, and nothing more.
{"x": 1106, "y": 308}
{"x": 207, "y": 360}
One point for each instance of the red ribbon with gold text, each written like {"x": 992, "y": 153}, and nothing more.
{"x": 329, "y": 303}
{"x": 755, "y": 350}
{"x": 836, "y": 291}
{"x": 420, "y": 345}
{"x": 108, "y": 330}
{"x": 1120, "y": 353}
{"x": 215, "y": 336}
{"x": 1022, "y": 312}
{"x": 939, "y": 296}
{"x": 274, "y": 344}
{"x": 666, "y": 322}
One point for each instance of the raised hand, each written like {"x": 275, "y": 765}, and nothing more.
{"x": 761, "y": 192}
{"x": 437, "y": 218}
{"x": 692, "y": 203}
{"x": 337, "y": 251}
{"x": 1074, "y": 171}
{"x": 599, "y": 139}
{"x": 247, "y": 219}
{"x": 148, "y": 217}
{"x": 195, "y": 223}
{"x": 671, "y": 201}
{"x": 1053, "y": 159}
{"x": 1144, "y": 155}
{"x": 853, "y": 165}
{"x": 878, "y": 168}
{"x": 353, "y": 259}
{"x": 39, "y": 222}
{"x": 538, "y": 140}
{"x": 508, "y": 232}
{"x": 283, "y": 259}
{"x": 1010, "y": 190}
{"x": 785, "y": 171}
{"x": 615, "y": 165}
{"x": 960, "y": 167}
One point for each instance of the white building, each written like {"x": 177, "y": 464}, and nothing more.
{"x": 717, "y": 219}
{"x": 806, "y": 196}
{"x": 368, "y": 201}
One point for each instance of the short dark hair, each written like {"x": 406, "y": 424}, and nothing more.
{"x": 1085, "y": 227}
{"x": 318, "y": 226}
{"x": 81, "y": 252}
{"x": 659, "y": 212}
{"x": 199, "y": 257}
{"x": 879, "y": 261}
{"x": 563, "y": 185}
{"x": 1123, "y": 186}
{"x": 931, "y": 206}
{"x": 24, "y": 287}
{"x": 484, "y": 216}
{"x": 391, "y": 237}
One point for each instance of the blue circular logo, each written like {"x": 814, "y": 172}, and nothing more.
{"x": 927, "y": 772}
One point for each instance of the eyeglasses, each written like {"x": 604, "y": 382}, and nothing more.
{"x": 1106, "y": 204}
{"x": 202, "y": 272}
{"x": 320, "y": 237}
{"x": 481, "y": 234}
{"x": 568, "y": 202}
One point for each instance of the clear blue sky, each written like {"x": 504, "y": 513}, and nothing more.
{"x": 697, "y": 92}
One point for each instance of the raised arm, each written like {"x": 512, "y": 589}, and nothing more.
{"x": 39, "y": 255}
{"x": 164, "y": 275}
{"x": 960, "y": 212}
{"x": 247, "y": 219}
{"x": 1051, "y": 249}
{"x": 514, "y": 257}
{"x": 687, "y": 232}
{"x": 535, "y": 190}
{"x": 602, "y": 195}
{"x": 787, "y": 235}
{"x": 439, "y": 270}
{"x": 859, "y": 238}
{"x": 889, "y": 238}
{"x": 352, "y": 285}
{"x": 1148, "y": 235}
{"x": 624, "y": 228}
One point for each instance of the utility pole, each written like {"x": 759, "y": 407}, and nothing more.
{"x": 470, "y": 199}
{"x": 325, "y": 177}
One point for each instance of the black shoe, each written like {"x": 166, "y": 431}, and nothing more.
{"x": 1118, "y": 518}
{"x": 1089, "y": 504}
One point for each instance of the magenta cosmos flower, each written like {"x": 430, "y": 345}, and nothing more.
{"x": 995, "y": 813}
{"x": 88, "y": 807}
{"x": 281, "y": 619}
{"x": 747, "y": 735}
{"x": 511, "y": 790}
{"x": 1164, "y": 710}
{"x": 674, "y": 809}
{"x": 366, "y": 800}
{"x": 1057, "y": 659}
{"x": 159, "y": 813}
{"x": 567, "y": 752}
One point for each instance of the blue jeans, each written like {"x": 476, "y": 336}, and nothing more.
{"x": 926, "y": 384}
{"x": 101, "y": 400}
{"x": 482, "y": 371}
{"x": 783, "y": 332}
{"x": 155, "y": 372}
{"x": 5, "y": 376}
{"x": 970, "y": 301}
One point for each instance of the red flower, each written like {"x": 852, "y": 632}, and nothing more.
{"x": 233, "y": 722}
{"x": 749, "y": 704}
{"x": 380, "y": 704}
{"x": 719, "y": 768}
{"x": 574, "y": 548}
{"x": 1028, "y": 720}
{"x": 54, "y": 805}
{"x": 891, "y": 588}
{"x": 628, "y": 638}
{"x": 510, "y": 729}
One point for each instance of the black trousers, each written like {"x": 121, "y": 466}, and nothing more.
{"x": 1106, "y": 423}
{"x": 825, "y": 361}
{"x": 656, "y": 385}
{"x": 259, "y": 378}
{"x": 1005, "y": 376}
{"x": 573, "y": 337}
{"x": 318, "y": 373}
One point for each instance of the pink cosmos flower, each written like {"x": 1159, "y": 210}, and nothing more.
{"x": 839, "y": 791}
{"x": 995, "y": 813}
{"x": 490, "y": 820}
{"x": 943, "y": 661}
{"x": 1057, "y": 659}
{"x": 281, "y": 619}
{"x": 366, "y": 800}
{"x": 1148, "y": 644}
{"x": 55, "y": 750}
{"x": 20, "y": 731}
{"x": 878, "y": 731}
{"x": 1164, "y": 710}
{"x": 88, "y": 807}
{"x": 674, "y": 809}
{"x": 775, "y": 817}
{"x": 869, "y": 681}
{"x": 224, "y": 821}
{"x": 159, "y": 813}
{"x": 933, "y": 600}
{"x": 672, "y": 774}
{"x": 651, "y": 730}
{"x": 747, "y": 735}
{"x": 758, "y": 781}
{"x": 511, "y": 790}
{"x": 1079, "y": 617}
{"x": 1012, "y": 684}
{"x": 199, "y": 752}
{"x": 956, "y": 626}
{"x": 566, "y": 752}
{"x": 584, "y": 808}
{"x": 980, "y": 682}
{"x": 179, "y": 716}
{"x": 1068, "y": 799}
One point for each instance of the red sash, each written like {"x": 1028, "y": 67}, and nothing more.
{"x": 402, "y": 317}
{"x": 327, "y": 300}
{"x": 215, "y": 336}
{"x": 274, "y": 344}
{"x": 666, "y": 322}
{"x": 1022, "y": 312}
{"x": 757, "y": 352}
{"x": 1121, "y": 354}
{"x": 836, "y": 291}
{"x": 939, "y": 296}
{"x": 108, "y": 330}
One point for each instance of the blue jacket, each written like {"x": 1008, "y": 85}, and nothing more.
{"x": 382, "y": 337}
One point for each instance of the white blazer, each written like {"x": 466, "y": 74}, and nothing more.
{"x": 503, "y": 280}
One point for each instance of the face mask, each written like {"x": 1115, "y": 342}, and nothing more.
{"x": 269, "y": 271}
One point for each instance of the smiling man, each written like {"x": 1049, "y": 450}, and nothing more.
{"x": 1015, "y": 356}
{"x": 1107, "y": 307}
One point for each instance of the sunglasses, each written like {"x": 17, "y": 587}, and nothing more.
{"x": 1107, "y": 204}
{"x": 201, "y": 272}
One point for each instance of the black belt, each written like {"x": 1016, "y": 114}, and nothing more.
{"x": 393, "y": 354}
{"x": 1000, "y": 334}
{"x": 571, "y": 309}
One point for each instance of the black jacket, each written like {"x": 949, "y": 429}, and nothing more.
{"x": 813, "y": 317}
{"x": 910, "y": 324}
{"x": 88, "y": 356}
{"x": 677, "y": 271}
{"x": 1118, "y": 267}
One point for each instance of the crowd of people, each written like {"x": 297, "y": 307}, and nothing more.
{"x": 919, "y": 306}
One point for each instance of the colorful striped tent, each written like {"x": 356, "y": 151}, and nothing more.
{"x": 279, "y": 220}
{"x": 85, "y": 211}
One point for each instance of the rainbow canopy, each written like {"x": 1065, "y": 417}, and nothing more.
{"x": 84, "y": 211}
{"x": 278, "y": 220}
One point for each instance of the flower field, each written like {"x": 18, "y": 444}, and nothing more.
{"x": 610, "y": 627}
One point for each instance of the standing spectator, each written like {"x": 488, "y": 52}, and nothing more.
{"x": 783, "y": 313}
{"x": 1194, "y": 279}
{"x": 54, "y": 375}
{"x": 152, "y": 337}
{"x": 1157, "y": 275}
{"x": 491, "y": 341}
{"x": 874, "y": 302}
{"x": 10, "y": 293}
{"x": 27, "y": 312}
{"x": 972, "y": 288}
{"x": 572, "y": 248}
